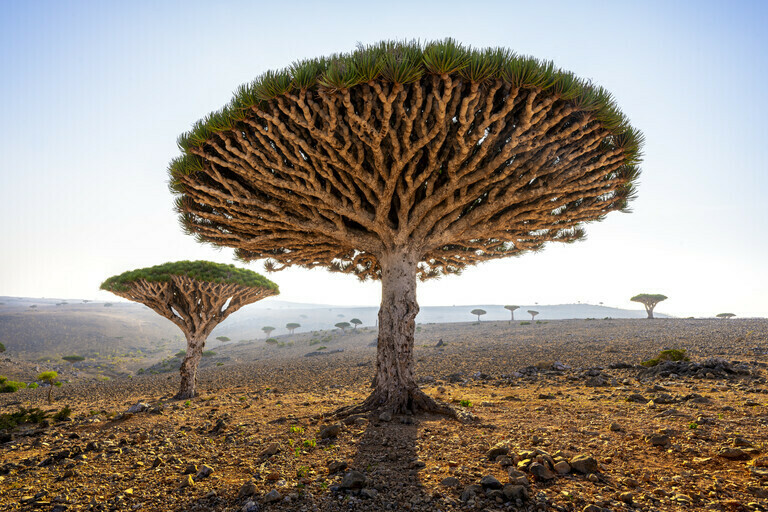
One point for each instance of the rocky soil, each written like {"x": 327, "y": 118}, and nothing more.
{"x": 565, "y": 419}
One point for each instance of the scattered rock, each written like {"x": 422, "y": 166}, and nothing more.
{"x": 330, "y": 431}
{"x": 353, "y": 480}
{"x": 138, "y": 407}
{"x": 615, "y": 427}
{"x": 385, "y": 416}
{"x": 496, "y": 450}
{"x": 450, "y": 481}
{"x": 270, "y": 450}
{"x": 660, "y": 440}
{"x": 336, "y": 466}
{"x": 204, "y": 472}
{"x": 584, "y": 464}
{"x": 250, "y": 506}
{"x": 490, "y": 482}
{"x": 186, "y": 482}
{"x": 562, "y": 467}
{"x": 470, "y": 492}
{"x": 190, "y": 469}
{"x": 273, "y": 496}
{"x": 541, "y": 471}
{"x": 247, "y": 489}
{"x": 515, "y": 492}
{"x": 733, "y": 454}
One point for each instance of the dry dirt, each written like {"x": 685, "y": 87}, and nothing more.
{"x": 686, "y": 437}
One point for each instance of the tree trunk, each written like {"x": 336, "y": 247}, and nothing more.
{"x": 395, "y": 388}
{"x": 189, "y": 366}
{"x": 649, "y": 310}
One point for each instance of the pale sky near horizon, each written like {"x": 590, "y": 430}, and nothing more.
{"x": 94, "y": 94}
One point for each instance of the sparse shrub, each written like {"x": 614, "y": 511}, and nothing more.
{"x": 50, "y": 378}
{"x": 9, "y": 421}
{"x": 525, "y": 323}
{"x": 73, "y": 359}
{"x": 271, "y": 341}
{"x": 2, "y": 348}
{"x": 219, "y": 364}
{"x": 296, "y": 429}
{"x": 693, "y": 425}
{"x": 465, "y": 403}
{"x": 309, "y": 443}
{"x": 223, "y": 339}
{"x": 208, "y": 353}
{"x": 180, "y": 353}
{"x": 63, "y": 414}
{"x": 322, "y": 348}
{"x": 667, "y": 355}
{"x": 34, "y": 385}
{"x": 10, "y": 386}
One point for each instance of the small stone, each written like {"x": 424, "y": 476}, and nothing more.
{"x": 136, "y": 408}
{"x": 614, "y": 427}
{"x": 204, "y": 472}
{"x": 584, "y": 464}
{"x": 191, "y": 469}
{"x": 682, "y": 498}
{"x": 592, "y": 508}
{"x": 353, "y": 480}
{"x": 157, "y": 462}
{"x": 330, "y": 431}
{"x": 273, "y": 496}
{"x": 128, "y": 492}
{"x": 660, "y": 440}
{"x": 270, "y": 450}
{"x": 451, "y": 481}
{"x": 515, "y": 492}
{"x": 741, "y": 442}
{"x": 336, "y": 466}
{"x": 385, "y": 416}
{"x": 490, "y": 482}
{"x": 541, "y": 472}
{"x": 69, "y": 474}
{"x": 250, "y": 506}
{"x": 593, "y": 478}
{"x": 497, "y": 450}
{"x": 186, "y": 482}
{"x": 470, "y": 492}
{"x": 562, "y": 467}
{"x": 733, "y": 454}
{"x": 626, "y": 497}
{"x": 247, "y": 489}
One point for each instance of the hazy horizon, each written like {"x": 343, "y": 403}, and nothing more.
{"x": 94, "y": 96}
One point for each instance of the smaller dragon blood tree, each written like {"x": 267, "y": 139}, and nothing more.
{"x": 196, "y": 296}
{"x": 649, "y": 300}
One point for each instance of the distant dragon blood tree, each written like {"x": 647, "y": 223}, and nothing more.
{"x": 725, "y": 316}
{"x": 401, "y": 162}
{"x": 649, "y": 300}
{"x": 511, "y": 310}
{"x": 478, "y": 313}
{"x": 196, "y": 296}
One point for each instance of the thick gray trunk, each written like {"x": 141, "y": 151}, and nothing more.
{"x": 189, "y": 366}
{"x": 649, "y": 310}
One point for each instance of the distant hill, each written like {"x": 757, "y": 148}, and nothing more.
{"x": 38, "y": 329}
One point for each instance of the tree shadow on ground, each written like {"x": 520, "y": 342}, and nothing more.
{"x": 387, "y": 455}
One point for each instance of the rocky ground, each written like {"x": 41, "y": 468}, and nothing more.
{"x": 565, "y": 419}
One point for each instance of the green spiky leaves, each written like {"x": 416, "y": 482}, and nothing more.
{"x": 204, "y": 271}
{"x": 406, "y": 62}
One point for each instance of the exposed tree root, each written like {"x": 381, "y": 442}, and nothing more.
{"x": 413, "y": 401}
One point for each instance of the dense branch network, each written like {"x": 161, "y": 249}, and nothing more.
{"x": 455, "y": 170}
{"x": 195, "y": 306}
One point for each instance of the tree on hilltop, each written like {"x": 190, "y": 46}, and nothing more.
{"x": 725, "y": 316}
{"x": 649, "y": 300}
{"x": 533, "y": 314}
{"x": 292, "y": 326}
{"x": 356, "y": 322}
{"x": 196, "y": 296}
{"x": 478, "y": 312}
{"x": 511, "y": 310}
{"x": 267, "y": 330}
{"x": 51, "y": 378}
{"x": 400, "y": 162}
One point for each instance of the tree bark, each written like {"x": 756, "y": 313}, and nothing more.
{"x": 188, "y": 370}
{"x": 395, "y": 388}
{"x": 649, "y": 310}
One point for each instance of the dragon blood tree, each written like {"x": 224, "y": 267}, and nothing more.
{"x": 196, "y": 296}
{"x": 402, "y": 162}
{"x": 649, "y": 300}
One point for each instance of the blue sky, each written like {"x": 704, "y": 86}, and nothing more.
{"x": 94, "y": 94}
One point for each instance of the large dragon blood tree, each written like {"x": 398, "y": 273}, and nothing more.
{"x": 196, "y": 296}
{"x": 400, "y": 162}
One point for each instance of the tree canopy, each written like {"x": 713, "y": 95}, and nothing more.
{"x": 330, "y": 160}
{"x": 202, "y": 271}
{"x": 725, "y": 315}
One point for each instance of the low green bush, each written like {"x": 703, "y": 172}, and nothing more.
{"x": 209, "y": 353}
{"x": 63, "y": 414}
{"x": 525, "y": 323}
{"x": 673, "y": 354}
{"x": 9, "y": 421}
{"x": 271, "y": 341}
{"x": 10, "y": 386}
